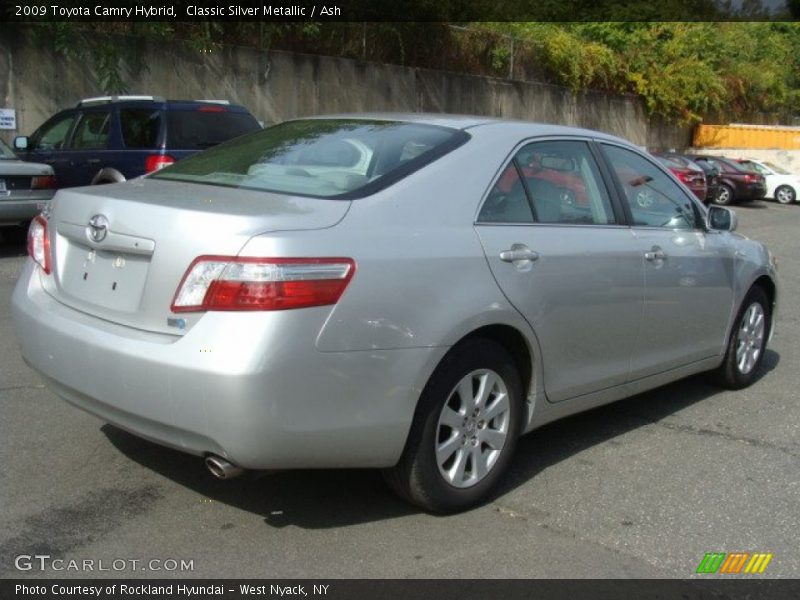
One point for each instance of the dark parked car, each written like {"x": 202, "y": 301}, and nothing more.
{"x": 709, "y": 170}
{"x": 114, "y": 138}
{"x": 689, "y": 174}
{"x": 738, "y": 183}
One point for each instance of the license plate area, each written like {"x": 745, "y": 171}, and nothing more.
{"x": 108, "y": 278}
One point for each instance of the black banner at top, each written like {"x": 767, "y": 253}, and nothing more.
{"x": 397, "y": 10}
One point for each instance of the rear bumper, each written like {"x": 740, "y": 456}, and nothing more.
{"x": 16, "y": 210}
{"x": 250, "y": 387}
{"x": 752, "y": 191}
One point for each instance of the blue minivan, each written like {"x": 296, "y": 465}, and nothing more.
{"x": 114, "y": 138}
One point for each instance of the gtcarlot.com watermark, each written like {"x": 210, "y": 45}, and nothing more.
{"x": 45, "y": 562}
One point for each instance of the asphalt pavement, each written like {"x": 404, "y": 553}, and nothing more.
{"x": 640, "y": 488}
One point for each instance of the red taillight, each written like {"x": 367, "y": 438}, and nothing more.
{"x": 39, "y": 243}
{"x": 683, "y": 176}
{"x": 154, "y": 162}
{"x": 212, "y": 108}
{"x": 45, "y": 182}
{"x": 244, "y": 283}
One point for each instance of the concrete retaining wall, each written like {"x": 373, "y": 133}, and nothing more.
{"x": 276, "y": 86}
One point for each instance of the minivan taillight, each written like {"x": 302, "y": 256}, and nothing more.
{"x": 39, "y": 243}
{"x": 154, "y": 162}
{"x": 245, "y": 283}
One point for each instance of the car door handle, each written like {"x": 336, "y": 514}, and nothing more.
{"x": 518, "y": 252}
{"x": 93, "y": 161}
{"x": 655, "y": 254}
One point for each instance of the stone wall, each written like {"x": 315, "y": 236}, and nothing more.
{"x": 276, "y": 86}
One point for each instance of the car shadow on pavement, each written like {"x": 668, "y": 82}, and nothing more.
{"x": 12, "y": 241}
{"x": 557, "y": 441}
{"x": 312, "y": 499}
{"x": 320, "y": 499}
{"x": 757, "y": 204}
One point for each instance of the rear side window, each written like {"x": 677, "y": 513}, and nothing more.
{"x": 93, "y": 131}
{"x": 205, "y": 127}
{"x": 140, "y": 127}
{"x": 550, "y": 182}
{"x": 326, "y": 158}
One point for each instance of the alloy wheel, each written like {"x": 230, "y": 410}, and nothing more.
{"x": 473, "y": 428}
{"x": 750, "y": 339}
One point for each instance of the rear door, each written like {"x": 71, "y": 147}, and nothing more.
{"x": 86, "y": 149}
{"x": 563, "y": 257}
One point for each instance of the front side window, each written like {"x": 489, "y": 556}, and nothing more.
{"x": 6, "y": 152}
{"x": 53, "y": 135}
{"x": 561, "y": 183}
{"x": 93, "y": 131}
{"x": 653, "y": 198}
{"x": 319, "y": 157}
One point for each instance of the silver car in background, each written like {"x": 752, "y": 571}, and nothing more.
{"x": 404, "y": 292}
{"x": 26, "y": 188}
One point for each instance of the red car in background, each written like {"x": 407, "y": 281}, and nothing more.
{"x": 693, "y": 179}
{"x": 569, "y": 181}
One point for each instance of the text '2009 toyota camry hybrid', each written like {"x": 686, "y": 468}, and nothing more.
{"x": 403, "y": 292}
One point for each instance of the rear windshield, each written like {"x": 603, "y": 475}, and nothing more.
{"x": 777, "y": 169}
{"x": 327, "y": 158}
{"x": 670, "y": 162}
{"x": 202, "y": 128}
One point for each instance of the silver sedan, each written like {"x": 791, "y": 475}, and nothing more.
{"x": 25, "y": 188}
{"x": 404, "y": 292}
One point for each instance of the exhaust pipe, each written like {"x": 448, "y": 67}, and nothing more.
{"x": 221, "y": 468}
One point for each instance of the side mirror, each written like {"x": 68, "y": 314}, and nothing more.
{"x": 721, "y": 219}
{"x": 21, "y": 142}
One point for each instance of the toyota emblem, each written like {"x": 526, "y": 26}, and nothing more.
{"x": 98, "y": 228}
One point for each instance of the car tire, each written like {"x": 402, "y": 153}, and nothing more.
{"x": 725, "y": 195}
{"x": 746, "y": 342}
{"x": 785, "y": 194}
{"x": 458, "y": 448}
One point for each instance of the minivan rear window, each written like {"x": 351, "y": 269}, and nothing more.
{"x": 205, "y": 127}
{"x": 326, "y": 158}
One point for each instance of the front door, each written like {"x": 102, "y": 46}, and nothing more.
{"x": 688, "y": 271}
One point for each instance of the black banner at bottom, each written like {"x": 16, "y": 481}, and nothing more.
{"x": 406, "y": 589}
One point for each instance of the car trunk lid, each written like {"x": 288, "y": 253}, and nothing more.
{"x": 120, "y": 251}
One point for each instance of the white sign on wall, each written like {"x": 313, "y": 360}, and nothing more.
{"x": 8, "y": 118}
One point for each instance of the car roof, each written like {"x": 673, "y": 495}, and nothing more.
{"x": 458, "y": 121}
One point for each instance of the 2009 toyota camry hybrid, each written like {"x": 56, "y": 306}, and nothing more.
{"x": 404, "y": 292}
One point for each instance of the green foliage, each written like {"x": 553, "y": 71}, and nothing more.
{"x": 682, "y": 70}
{"x": 95, "y": 44}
